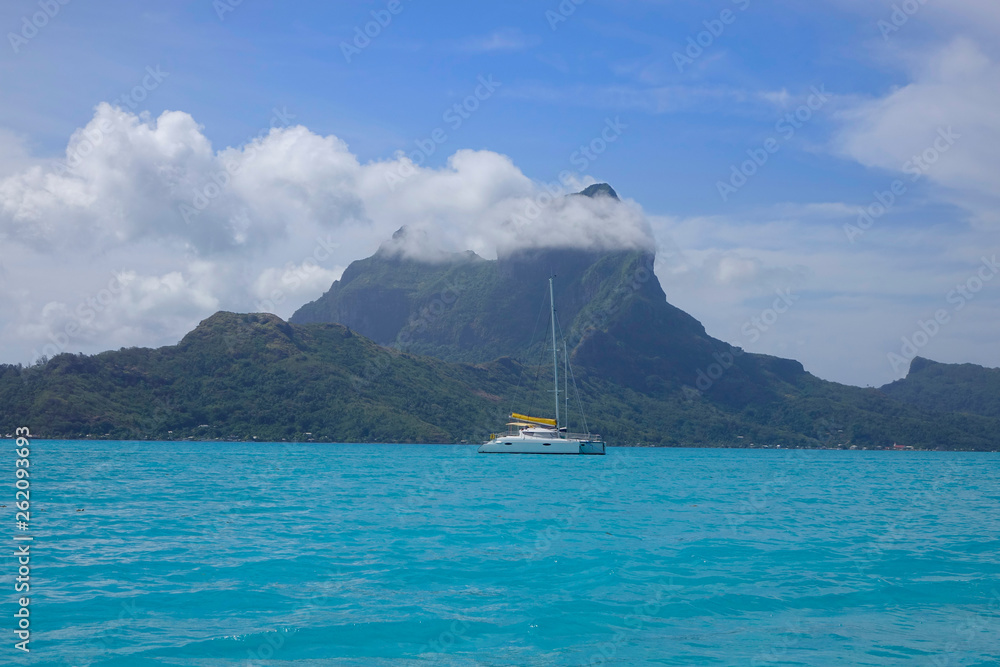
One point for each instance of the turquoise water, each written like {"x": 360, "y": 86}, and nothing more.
{"x": 221, "y": 554}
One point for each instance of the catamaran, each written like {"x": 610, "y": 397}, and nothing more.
{"x": 541, "y": 435}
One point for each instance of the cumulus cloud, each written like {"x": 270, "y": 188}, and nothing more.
{"x": 125, "y": 178}
{"x": 267, "y": 225}
{"x": 124, "y": 310}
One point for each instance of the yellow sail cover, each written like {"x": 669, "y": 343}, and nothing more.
{"x": 534, "y": 420}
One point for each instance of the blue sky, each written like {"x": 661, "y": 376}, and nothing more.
{"x": 606, "y": 58}
{"x": 887, "y": 91}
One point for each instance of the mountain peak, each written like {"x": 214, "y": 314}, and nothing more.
{"x": 919, "y": 363}
{"x": 599, "y": 190}
{"x": 242, "y": 334}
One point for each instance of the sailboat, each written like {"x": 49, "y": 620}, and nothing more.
{"x": 541, "y": 435}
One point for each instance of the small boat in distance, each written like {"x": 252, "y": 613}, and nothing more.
{"x": 540, "y": 435}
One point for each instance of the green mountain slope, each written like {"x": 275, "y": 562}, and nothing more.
{"x": 254, "y": 375}
{"x": 957, "y": 388}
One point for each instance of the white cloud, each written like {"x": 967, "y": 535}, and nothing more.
{"x": 14, "y": 156}
{"x": 125, "y": 309}
{"x": 126, "y": 178}
{"x": 295, "y": 283}
{"x": 264, "y": 226}
{"x": 955, "y": 93}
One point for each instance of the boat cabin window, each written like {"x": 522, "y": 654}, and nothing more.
{"x": 514, "y": 428}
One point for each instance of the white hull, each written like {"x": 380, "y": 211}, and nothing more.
{"x": 530, "y": 445}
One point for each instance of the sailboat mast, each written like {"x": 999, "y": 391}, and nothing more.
{"x": 555, "y": 352}
{"x": 566, "y": 384}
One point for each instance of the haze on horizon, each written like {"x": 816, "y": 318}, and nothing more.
{"x": 158, "y": 164}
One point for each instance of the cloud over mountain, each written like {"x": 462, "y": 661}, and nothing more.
{"x": 262, "y": 226}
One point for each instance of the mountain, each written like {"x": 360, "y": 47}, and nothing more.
{"x": 626, "y": 341}
{"x": 245, "y": 376}
{"x": 400, "y": 350}
{"x": 612, "y": 309}
{"x": 599, "y": 190}
{"x": 614, "y": 313}
{"x": 954, "y": 388}
{"x": 242, "y": 377}
{"x": 462, "y": 307}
